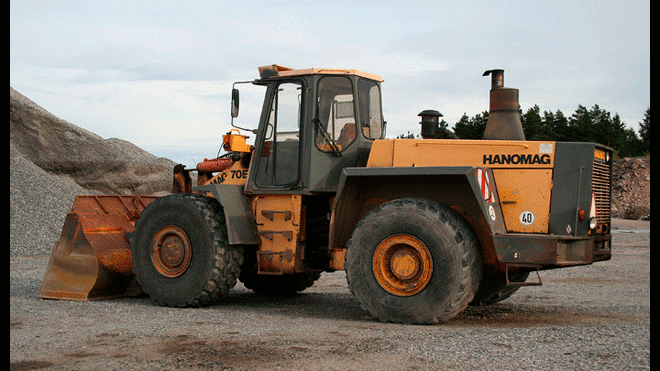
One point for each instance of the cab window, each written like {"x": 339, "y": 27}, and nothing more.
{"x": 371, "y": 118}
{"x": 336, "y": 129}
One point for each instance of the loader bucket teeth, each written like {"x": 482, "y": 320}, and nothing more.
{"x": 92, "y": 258}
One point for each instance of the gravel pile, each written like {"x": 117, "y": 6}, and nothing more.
{"x": 112, "y": 165}
{"x": 631, "y": 180}
{"x": 38, "y": 204}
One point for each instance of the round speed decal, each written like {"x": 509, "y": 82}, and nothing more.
{"x": 526, "y": 218}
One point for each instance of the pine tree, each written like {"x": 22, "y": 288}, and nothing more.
{"x": 607, "y": 130}
{"x": 531, "y": 123}
{"x": 579, "y": 125}
{"x": 471, "y": 128}
{"x": 629, "y": 145}
{"x": 645, "y": 132}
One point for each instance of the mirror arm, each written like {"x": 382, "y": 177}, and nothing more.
{"x": 235, "y": 106}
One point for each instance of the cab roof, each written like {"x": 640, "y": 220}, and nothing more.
{"x": 275, "y": 70}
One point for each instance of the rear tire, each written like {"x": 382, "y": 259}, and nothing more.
{"x": 413, "y": 261}
{"x": 180, "y": 253}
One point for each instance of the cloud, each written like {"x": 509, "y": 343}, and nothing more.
{"x": 160, "y": 73}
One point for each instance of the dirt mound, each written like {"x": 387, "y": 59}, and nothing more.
{"x": 61, "y": 148}
{"x": 631, "y": 188}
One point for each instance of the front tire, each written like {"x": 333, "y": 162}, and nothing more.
{"x": 180, "y": 253}
{"x": 413, "y": 261}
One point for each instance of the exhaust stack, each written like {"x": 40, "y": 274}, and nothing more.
{"x": 504, "y": 116}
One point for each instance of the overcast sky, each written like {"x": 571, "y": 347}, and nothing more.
{"x": 159, "y": 73}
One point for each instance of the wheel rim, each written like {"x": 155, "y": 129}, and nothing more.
{"x": 402, "y": 265}
{"x": 171, "y": 251}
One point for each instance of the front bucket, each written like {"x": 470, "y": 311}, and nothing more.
{"x": 92, "y": 258}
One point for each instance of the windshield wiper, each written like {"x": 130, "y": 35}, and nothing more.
{"x": 333, "y": 146}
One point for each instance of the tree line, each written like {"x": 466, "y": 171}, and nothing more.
{"x": 584, "y": 125}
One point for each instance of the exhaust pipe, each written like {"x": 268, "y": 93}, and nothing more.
{"x": 431, "y": 126}
{"x": 504, "y": 115}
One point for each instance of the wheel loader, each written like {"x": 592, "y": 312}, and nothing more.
{"x": 423, "y": 227}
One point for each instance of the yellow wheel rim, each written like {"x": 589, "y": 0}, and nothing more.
{"x": 402, "y": 265}
{"x": 171, "y": 251}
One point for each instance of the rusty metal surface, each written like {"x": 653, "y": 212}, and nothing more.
{"x": 278, "y": 219}
{"x": 402, "y": 265}
{"x": 545, "y": 251}
{"x": 181, "y": 181}
{"x": 496, "y": 78}
{"x": 504, "y": 116}
{"x": 92, "y": 258}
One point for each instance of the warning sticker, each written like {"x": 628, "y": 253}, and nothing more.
{"x": 484, "y": 185}
{"x": 545, "y": 148}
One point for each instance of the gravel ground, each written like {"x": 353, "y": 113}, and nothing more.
{"x": 583, "y": 318}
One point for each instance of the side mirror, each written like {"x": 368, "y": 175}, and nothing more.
{"x": 234, "y": 103}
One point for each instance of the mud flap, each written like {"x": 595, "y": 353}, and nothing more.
{"x": 92, "y": 258}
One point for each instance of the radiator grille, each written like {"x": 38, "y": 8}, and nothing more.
{"x": 602, "y": 189}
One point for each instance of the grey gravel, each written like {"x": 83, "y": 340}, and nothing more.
{"x": 38, "y": 204}
{"x": 582, "y": 318}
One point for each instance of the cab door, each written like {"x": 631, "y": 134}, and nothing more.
{"x": 278, "y": 160}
